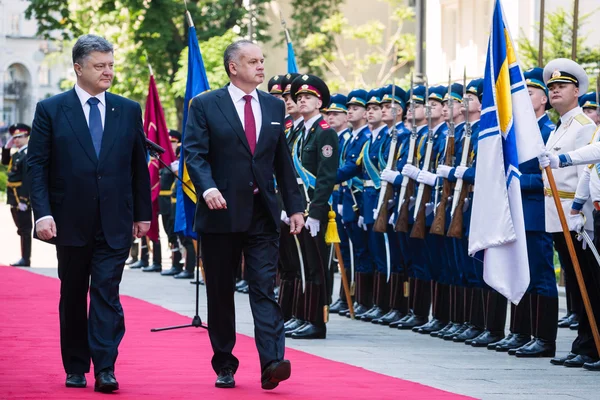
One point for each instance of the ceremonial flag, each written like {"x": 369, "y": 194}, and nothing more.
{"x": 156, "y": 130}
{"x": 197, "y": 83}
{"x": 509, "y": 135}
{"x": 292, "y": 67}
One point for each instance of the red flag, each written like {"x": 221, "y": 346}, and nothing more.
{"x": 156, "y": 129}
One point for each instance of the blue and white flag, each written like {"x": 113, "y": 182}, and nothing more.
{"x": 509, "y": 135}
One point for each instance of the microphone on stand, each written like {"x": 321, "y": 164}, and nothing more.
{"x": 154, "y": 147}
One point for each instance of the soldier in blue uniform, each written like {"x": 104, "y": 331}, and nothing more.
{"x": 394, "y": 98}
{"x": 352, "y": 201}
{"x": 537, "y": 311}
{"x": 590, "y": 106}
{"x": 337, "y": 118}
{"x": 419, "y": 292}
{"x": 18, "y": 189}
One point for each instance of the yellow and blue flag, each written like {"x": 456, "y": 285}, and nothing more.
{"x": 197, "y": 83}
{"x": 509, "y": 135}
{"x": 292, "y": 67}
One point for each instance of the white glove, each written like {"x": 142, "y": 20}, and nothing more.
{"x": 575, "y": 222}
{"x": 391, "y": 220}
{"x": 460, "y": 171}
{"x": 361, "y": 223}
{"x": 313, "y": 226}
{"x": 10, "y": 143}
{"x": 411, "y": 171}
{"x": 284, "y": 218}
{"x": 22, "y": 207}
{"x": 389, "y": 176}
{"x": 548, "y": 159}
{"x": 375, "y": 214}
{"x": 429, "y": 208}
{"x": 443, "y": 171}
{"x": 427, "y": 178}
{"x": 175, "y": 166}
{"x": 340, "y": 209}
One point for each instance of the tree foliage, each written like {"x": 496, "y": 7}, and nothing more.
{"x": 373, "y": 49}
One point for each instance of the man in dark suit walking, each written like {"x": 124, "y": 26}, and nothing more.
{"x": 235, "y": 146}
{"x": 90, "y": 193}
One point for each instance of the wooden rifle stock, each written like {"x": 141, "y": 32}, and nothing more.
{"x": 383, "y": 216}
{"x": 419, "y": 228}
{"x": 456, "y": 225}
{"x": 439, "y": 221}
{"x": 402, "y": 221}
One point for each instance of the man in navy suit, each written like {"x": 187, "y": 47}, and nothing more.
{"x": 235, "y": 148}
{"x": 90, "y": 193}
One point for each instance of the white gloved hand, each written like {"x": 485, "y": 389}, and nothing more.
{"x": 443, "y": 171}
{"x": 575, "y": 222}
{"x": 548, "y": 159}
{"x": 175, "y": 166}
{"x": 340, "y": 209}
{"x": 313, "y": 226}
{"x": 389, "y": 176}
{"x": 411, "y": 171}
{"x": 22, "y": 207}
{"x": 10, "y": 143}
{"x": 375, "y": 214}
{"x": 460, "y": 171}
{"x": 361, "y": 223}
{"x": 427, "y": 178}
{"x": 429, "y": 208}
{"x": 284, "y": 218}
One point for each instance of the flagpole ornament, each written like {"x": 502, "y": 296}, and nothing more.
{"x": 189, "y": 18}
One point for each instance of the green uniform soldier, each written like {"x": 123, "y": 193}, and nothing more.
{"x": 17, "y": 188}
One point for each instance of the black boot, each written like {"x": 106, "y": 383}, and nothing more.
{"x": 338, "y": 305}
{"x": 175, "y": 264}
{"x": 381, "y": 298}
{"x": 495, "y": 320}
{"x": 314, "y": 328}
{"x": 441, "y": 310}
{"x": 544, "y": 342}
{"x": 476, "y": 321}
{"x": 364, "y": 294}
{"x": 421, "y": 305}
{"x": 520, "y": 327}
{"x": 461, "y": 294}
{"x": 25, "y": 260}
{"x": 143, "y": 261}
{"x": 396, "y": 297}
{"x": 297, "y": 310}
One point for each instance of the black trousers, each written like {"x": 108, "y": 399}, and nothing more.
{"x": 289, "y": 261}
{"x": 221, "y": 254}
{"x": 23, "y": 221}
{"x": 98, "y": 268}
{"x": 584, "y": 343}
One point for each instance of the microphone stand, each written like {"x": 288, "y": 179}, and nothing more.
{"x": 196, "y": 320}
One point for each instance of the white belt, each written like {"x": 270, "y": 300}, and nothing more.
{"x": 300, "y": 181}
{"x": 368, "y": 184}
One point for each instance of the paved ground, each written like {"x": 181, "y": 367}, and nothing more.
{"x": 449, "y": 366}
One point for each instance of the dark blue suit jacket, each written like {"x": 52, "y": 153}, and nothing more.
{"x": 75, "y": 186}
{"x": 218, "y": 156}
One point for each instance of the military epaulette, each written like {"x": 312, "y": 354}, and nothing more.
{"x": 289, "y": 123}
{"x": 583, "y": 120}
{"x": 323, "y": 124}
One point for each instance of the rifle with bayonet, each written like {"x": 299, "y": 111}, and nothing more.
{"x": 386, "y": 194}
{"x": 424, "y": 191}
{"x": 408, "y": 185}
{"x": 439, "y": 221}
{"x": 461, "y": 190}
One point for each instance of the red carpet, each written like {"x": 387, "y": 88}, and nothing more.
{"x": 167, "y": 365}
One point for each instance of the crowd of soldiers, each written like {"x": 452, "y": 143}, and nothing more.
{"x": 398, "y": 168}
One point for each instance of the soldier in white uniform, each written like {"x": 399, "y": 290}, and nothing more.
{"x": 566, "y": 82}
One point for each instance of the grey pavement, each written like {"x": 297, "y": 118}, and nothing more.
{"x": 449, "y": 366}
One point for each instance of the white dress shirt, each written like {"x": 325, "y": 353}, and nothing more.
{"x": 375, "y": 133}
{"x": 308, "y": 124}
{"x": 237, "y": 96}
{"x": 84, "y": 97}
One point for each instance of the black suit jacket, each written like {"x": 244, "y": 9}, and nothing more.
{"x": 72, "y": 184}
{"x": 217, "y": 155}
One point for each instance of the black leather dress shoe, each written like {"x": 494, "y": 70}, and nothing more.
{"x": 130, "y": 260}
{"x": 152, "y": 268}
{"x": 289, "y": 321}
{"x": 435, "y": 325}
{"x": 562, "y": 360}
{"x": 358, "y": 311}
{"x": 486, "y": 338}
{"x": 376, "y": 313}
{"x": 442, "y": 331}
{"x": 592, "y": 366}
{"x": 310, "y": 331}
{"x": 225, "y": 379}
{"x": 289, "y": 330}
{"x": 275, "y": 372}
{"x": 240, "y": 284}
{"x": 537, "y": 348}
{"x": 454, "y": 331}
{"x": 359, "y": 315}
{"x": 389, "y": 318}
{"x": 574, "y": 326}
{"x": 21, "y": 263}
{"x": 512, "y": 352}
{"x": 493, "y": 345}
{"x": 106, "y": 382}
{"x": 394, "y": 325}
{"x": 171, "y": 271}
{"x": 469, "y": 334}
{"x": 512, "y": 341}
{"x": 293, "y": 325}
{"x": 413, "y": 321}
{"x": 138, "y": 264}
{"x": 337, "y": 306}
{"x": 75, "y": 381}
{"x": 184, "y": 275}
{"x": 568, "y": 321}
{"x": 578, "y": 361}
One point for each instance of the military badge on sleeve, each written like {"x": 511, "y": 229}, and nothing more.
{"x": 327, "y": 151}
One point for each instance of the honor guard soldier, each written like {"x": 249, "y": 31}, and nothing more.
{"x": 536, "y": 313}
{"x": 274, "y": 86}
{"x": 316, "y": 160}
{"x": 17, "y": 188}
{"x": 589, "y": 104}
{"x": 337, "y": 118}
{"x": 348, "y": 177}
{"x": 567, "y": 81}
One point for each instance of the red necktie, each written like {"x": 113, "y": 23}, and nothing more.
{"x": 249, "y": 123}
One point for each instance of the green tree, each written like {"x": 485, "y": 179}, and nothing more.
{"x": 383, "y": 55}
{"x": 138, "y": 27}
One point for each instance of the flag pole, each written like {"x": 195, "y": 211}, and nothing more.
{"x": 541, "y": 34}
{"x": 148, "y": 61}
{"x": 576, "y": 267}
{"x": 575, "y": 23}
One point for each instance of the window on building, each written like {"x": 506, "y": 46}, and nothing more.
{"x": 15, "y": 25}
